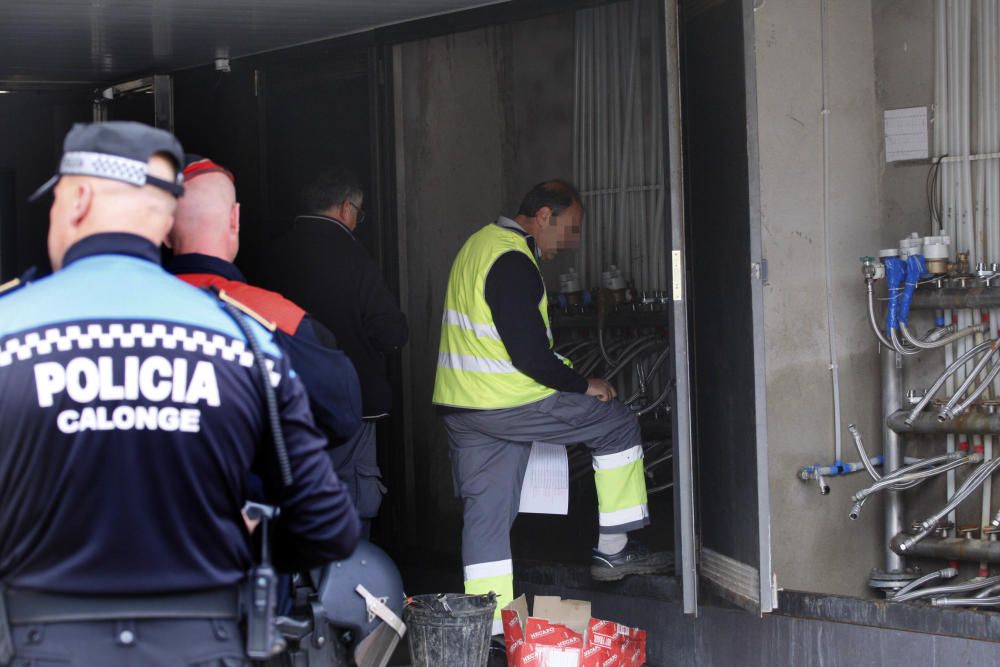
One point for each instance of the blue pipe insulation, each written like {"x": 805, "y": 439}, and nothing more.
{"x": 916, "y": 268}
{"x": 895, "y": 271}
{"x": 838, "y": 468}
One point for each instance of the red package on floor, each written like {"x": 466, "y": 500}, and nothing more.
{"x": 563, "y": 634}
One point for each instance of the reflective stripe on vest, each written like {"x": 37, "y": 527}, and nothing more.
{"x": 474, "y": 368}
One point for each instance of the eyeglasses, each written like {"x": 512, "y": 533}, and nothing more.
{"x": 360, "y": 212}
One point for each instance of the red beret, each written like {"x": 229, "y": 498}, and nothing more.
{"x": 197, "y": 165}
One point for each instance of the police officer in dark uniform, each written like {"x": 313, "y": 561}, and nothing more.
{"x": 133, "y": 414}
{"x": 205, "y": 240}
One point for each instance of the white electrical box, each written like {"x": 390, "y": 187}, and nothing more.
{"x": 906, "y": 134}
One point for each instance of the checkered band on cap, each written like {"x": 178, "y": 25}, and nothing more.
{"x": 81, "y": 163}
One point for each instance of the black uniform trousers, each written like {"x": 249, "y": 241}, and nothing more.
{"x": 130, "y": 643}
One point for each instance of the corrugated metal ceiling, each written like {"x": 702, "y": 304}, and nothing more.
{"x": 104, "y": 41}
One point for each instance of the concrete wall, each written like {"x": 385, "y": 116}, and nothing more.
{"x": 815, "y": 547}
{"x": 904, "y": 67}
{"x": 483, "y": 116}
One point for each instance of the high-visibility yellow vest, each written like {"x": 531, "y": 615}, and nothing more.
{"x": 474, "y": 369}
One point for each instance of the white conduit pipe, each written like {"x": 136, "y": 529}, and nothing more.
{"x": 610, "y": 134}
{"x": 831, "y": 324}
{"x": 626, "y": 164}
{"x": 615, "y": 23}
{"x": 975, "y": 253}
{"x": 577, "y": 93}
{"x": 653, "y": 251}
{"x": 601, "y": 127}
{"x": 640, "y": 221}
{"x": 619, "y": 169}
{"x": 985, "y": 34}
{"x": 979, "y": 207}
{"x": 949, "y": 147}
{"x": 578, "y": 142}
{"x": 588, "y": 46}
{"x": 659, "y": 173}
{"x": 942, "y": 134}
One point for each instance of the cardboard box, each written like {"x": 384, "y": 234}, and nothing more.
{"x": 562, "y": 633}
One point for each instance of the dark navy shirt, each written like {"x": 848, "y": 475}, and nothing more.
{"x": 513, "y": 289}
{"x": 132, "y": 417}
{"x": 327, "y": 373}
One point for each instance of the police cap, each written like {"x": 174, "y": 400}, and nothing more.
{"x": 119, "y": 150}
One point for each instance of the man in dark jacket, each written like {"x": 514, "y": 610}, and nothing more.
{"x": 320, "y": 265}
{"x": 205, "y": 240}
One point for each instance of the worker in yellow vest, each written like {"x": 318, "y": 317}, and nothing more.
{"x": 500, "y": 387}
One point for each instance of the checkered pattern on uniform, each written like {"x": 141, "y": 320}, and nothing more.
{"x": 118, "y": 335}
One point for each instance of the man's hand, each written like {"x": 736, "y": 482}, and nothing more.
{"x": 600, "y": 389}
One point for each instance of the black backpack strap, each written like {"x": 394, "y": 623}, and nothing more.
{"x": 238, "y": 312}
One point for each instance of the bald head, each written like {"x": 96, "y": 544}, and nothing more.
{"x": 208, "y": 218}
{"x": 87, "y": 205}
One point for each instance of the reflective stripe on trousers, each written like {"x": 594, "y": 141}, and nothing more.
{"x": 621, "y": 490}
{"x": 496, "y": 577}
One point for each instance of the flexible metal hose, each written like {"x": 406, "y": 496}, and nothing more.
{"x": 987, "y": 592}
{"x": 655, "y": 404}
{"x": 940, "y": 342}
{"x": 946, "y": 411}
{"x": 977, "y": 392}
{"x": 964, "y": 587}
{"x": 570, "y": 348}
{"x": 655, "y": 367}
{"x": 974, "y": 481}
{"x": 946, "y": 573}
{"x": 921, "y": 476}
{"x": 899, "y": 346}
{"x": 862, "y": 453}
{"x": 923, "y": 463}
{"x": 966, "y": 602}
{"x": 630, "y": 354}
{"x": 955, "y": 365}
{"x": 871, "y": 318}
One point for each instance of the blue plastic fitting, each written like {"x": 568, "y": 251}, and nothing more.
{"x": 916, "y": 267}
{"x": 895, "y": 271}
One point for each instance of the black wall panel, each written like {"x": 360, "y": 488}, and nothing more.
{"x": 718, "y": 223}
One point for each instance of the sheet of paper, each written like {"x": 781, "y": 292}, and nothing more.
{"x": 546, "y": 481}
{"x": 906, "y": 134}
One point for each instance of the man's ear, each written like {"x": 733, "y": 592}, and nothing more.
{"x": 234, "y": 219}
{"x": 343, "y": 210}
{"x": 83, "y": 199}
{"x": 544, "y": 215}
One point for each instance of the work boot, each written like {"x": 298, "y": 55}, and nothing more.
{"x": 635, "y": 558}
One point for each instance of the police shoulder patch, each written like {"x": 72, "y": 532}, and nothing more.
{"x": 247, "y": 310}
{"x": 17, "y": 283}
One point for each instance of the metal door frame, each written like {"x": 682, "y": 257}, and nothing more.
{"x": 684, "y": 518}
{"x": 768, "y": 588}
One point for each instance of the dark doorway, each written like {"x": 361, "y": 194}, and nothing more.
{"x": 8, "y": 223}
{"x": 136, "y": 106}
{"x": 316, "y": 120}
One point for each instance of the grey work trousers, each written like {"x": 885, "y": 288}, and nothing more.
{"x": 143, "y": 643}
{"x": 489, "y": 452}
{"x": 355, "y": 463}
